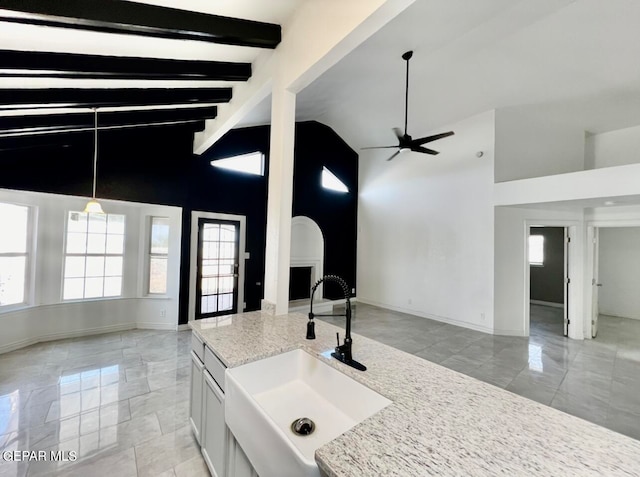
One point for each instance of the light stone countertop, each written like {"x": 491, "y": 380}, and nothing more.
{"x": 441, "y": 422}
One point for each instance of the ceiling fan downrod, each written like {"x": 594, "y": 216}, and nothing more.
{"x": 406, "y": 57}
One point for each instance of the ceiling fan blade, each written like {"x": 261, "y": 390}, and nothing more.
{"x": 394, "y": 155}
{"x": 378, "y": 147}
{"x": 424, "y": 150}
{"x": 435, "y": 137}
{"x": 398, "y": 132}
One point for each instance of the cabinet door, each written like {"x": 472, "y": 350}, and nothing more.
{"x": 195, "y": 404}
{"x": 238, "y": 465}
{"x": 214, "y": 428}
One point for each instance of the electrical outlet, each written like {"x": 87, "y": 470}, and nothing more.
{"x": 481, "y": 316}
{"x": 163, "y": 313}
{"x": 410, "y": 301}
{"x": 353, "y": 291}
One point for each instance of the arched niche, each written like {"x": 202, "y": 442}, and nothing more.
{"x": 307, "y": 248}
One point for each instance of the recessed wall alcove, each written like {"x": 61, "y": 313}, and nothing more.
{"x": 307, "y": 251}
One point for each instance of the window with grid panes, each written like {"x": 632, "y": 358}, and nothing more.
{"x": 158, "y": 255}
{"x": 14, "y": 254}
{"x": 94, "y": 256}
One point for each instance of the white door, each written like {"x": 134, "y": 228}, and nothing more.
{"x": 595, "y": 285}
{"x": 567, "y": 281}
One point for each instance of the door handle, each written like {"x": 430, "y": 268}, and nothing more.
{"x": 598, "y": 284}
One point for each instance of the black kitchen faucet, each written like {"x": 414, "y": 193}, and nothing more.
{"x": 342, "y": 351}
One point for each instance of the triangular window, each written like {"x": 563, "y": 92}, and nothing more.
{"x": 251, "y": 163}
{"x": 330, "y": 181}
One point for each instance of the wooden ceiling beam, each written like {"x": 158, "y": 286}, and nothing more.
{"x": 106, "y": 97}
{"x": 71, "y": 65}
{"x": 36, "y": 124}
{"x": 124, "y": 17}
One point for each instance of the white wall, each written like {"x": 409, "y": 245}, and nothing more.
{"x": 47, "y": 317}
{"x": 619, "y": 271}
{"x": 613, "y": 148}
{"x": 530, "y": 144}
{"x": 512, "y": 271}
{"x": 425, "y": 229}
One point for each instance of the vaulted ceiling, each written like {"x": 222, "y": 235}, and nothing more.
{"x": 574, "y": 61}
{"x": 140, "y": 63}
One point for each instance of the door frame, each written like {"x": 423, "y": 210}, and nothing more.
{"x": 591, "y": 252}
{"x": 571, "y": 257}
{"x": 193, "y": 256}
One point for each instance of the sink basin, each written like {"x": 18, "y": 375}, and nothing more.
{"x": 264, "y": 398}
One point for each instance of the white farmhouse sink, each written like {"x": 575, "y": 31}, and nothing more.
{"x": 262, "y": 399}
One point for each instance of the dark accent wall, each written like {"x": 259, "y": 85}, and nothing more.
{"x": 317, "y": 145}
{"x": 547, "y": 281}
{"x": 156, "y": 165}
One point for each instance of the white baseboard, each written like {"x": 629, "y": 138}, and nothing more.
{"x": 443, "y": 319}
{"x": 547, "y": 303}
{"x": 155, "y": 325}
{"x": 64, "y": 335}
{"x": 17, "y": 345}
{"x": 506, "y": 332}
{"x": 617, "y": 315}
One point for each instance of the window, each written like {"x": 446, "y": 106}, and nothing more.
{"x": 14, "y": 253}
{"x": 94, "y": 256}
{"x": 158, "y": 255}
{"x": 252, "y": 163}
{"x": 536, "y": 250}
{"x": 330, "y": 181}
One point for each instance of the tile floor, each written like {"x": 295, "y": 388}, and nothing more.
{"x": 120, "y": 400}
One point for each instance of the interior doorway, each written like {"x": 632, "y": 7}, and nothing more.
{"x": 548, "y": 256}
{"x": 615, "y": 280}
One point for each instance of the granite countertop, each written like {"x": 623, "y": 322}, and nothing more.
{"x": 440, "y": 422}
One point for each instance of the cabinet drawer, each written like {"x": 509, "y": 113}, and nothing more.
{"x": 197, "y": 346}
{"x": 215, "y": 367}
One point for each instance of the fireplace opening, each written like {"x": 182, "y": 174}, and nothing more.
{"x": 300, "y": 283}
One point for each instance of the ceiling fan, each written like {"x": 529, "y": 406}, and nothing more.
{"x": 406, "y": 142}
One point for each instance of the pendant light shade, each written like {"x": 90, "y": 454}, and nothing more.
{"x": 93, "y": 206}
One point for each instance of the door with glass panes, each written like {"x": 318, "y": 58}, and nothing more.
{"x": 217, "y": 279}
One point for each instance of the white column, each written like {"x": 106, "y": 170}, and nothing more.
{"x": 280, "y": 201}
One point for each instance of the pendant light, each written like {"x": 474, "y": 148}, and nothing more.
{"x": 93, "y": 206}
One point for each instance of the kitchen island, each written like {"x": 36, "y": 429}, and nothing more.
{"x": 440, "y": 422}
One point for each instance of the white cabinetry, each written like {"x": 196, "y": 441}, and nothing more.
{"x": 214, "y": 447}
{"x": 239, "y": 465}
{"x": 221, "y": 452}
{"x": 195, "y": 405}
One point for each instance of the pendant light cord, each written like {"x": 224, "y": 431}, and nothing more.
{"x": 95, "y": 150}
